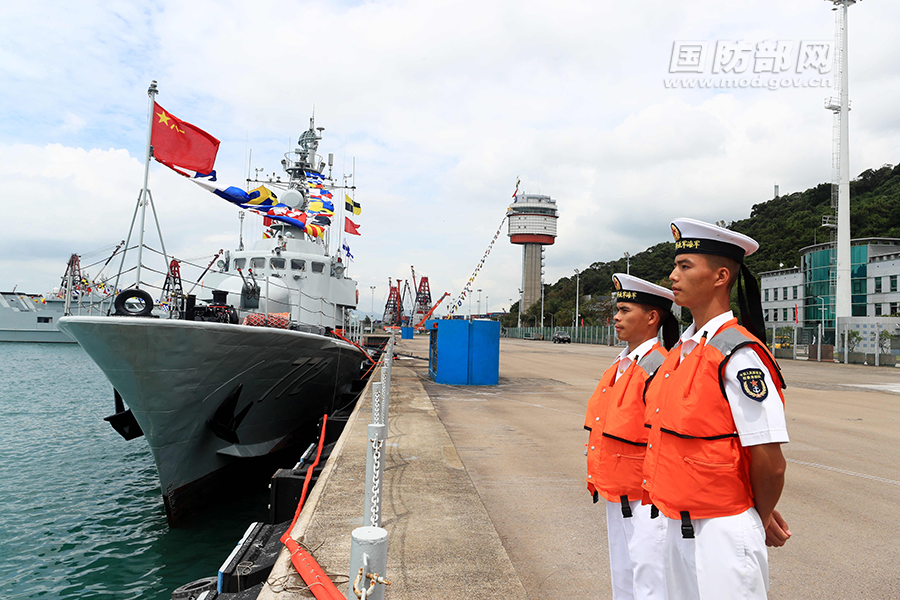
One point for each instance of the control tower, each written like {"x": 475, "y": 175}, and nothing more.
{"x": 532, "y": 223}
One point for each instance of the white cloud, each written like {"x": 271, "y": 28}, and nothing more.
{"x": 442, "y": 104}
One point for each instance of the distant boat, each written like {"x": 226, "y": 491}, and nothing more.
{"x": 34, "y": 317}
{"x": 244, "y": 367}
{"x": 31, "y": 318}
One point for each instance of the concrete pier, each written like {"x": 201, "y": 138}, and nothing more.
{"x": 484, "y": 491}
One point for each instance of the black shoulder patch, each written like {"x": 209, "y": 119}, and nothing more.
{"x": 753, "y": 384}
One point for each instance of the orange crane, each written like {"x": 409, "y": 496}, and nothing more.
{"x": 421, "y": 324}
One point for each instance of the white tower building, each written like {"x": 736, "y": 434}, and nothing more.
{"x": 532, "y": 223}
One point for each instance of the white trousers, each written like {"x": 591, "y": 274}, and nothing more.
{"x": 636, "y": 552}
{"x": 726, "y": 560}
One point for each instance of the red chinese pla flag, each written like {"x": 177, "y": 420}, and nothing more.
{"x": 177, "y": 143}
{"x": 351, "y": 227}
{"x": 796, "y": 315}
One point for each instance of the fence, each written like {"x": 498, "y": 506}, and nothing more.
{"x": 601, "y": 334}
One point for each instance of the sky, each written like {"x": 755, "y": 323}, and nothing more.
{"x": 442, "y": 107}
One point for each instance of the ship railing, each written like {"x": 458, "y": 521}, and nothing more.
{"x": 369, "y": 543}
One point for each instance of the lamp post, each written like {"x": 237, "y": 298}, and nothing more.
{"x": 521, "y": 299}
{"x": 821, "y": 326}
{"x": 479, "y": 302}
{"x": 487, "y": 304}
{"x": 627, "y": 264}
{"x": 372, "y": 287}
{"x": 577, "y": 281}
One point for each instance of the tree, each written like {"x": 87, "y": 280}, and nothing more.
{"x": 853, "y": 340}
{"x": 884, "y": 340}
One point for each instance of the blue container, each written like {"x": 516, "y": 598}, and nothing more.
{"x": 406, "y": 333}
{"x": 464, "y": 352}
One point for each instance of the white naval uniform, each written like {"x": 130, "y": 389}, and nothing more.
{"x": 636, "y": 544}
{"x": 727, "y": 558}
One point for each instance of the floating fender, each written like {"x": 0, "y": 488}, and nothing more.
{"x": 122, "y": 308}
{"x": 123, "y": 421}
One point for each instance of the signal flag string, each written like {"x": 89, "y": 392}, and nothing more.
{"x": 467, "y": 289}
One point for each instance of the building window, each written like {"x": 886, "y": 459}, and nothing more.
{"x": 775, "y": 315}
{"x": 766, "y": 314}
{"x": 795, "y": 292}
{"x": 795, "y": 314}
{"x": 878, "y": 285}
{"x": 767, "y": 295}
{"x": 893, "y": 283}
{"x": 878, "y": 309}
{"x": 893, "y": 308}
{"x": 784, "y": 313}
{"x": 784, "y": 290}
{"x": 774, "y": 293}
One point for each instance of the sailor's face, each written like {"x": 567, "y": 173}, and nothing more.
{"x": 631, "y": 321}
{"x": 693, "y": 280}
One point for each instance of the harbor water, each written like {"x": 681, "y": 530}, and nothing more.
{"x": 82, "y": 516}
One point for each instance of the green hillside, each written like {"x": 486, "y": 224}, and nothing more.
{"x": 782, "y": 226}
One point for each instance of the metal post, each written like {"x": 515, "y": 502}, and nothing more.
{"x": 846, "y": 342}
{"x": 877, "y": 343}
{"x": 144, "y": 198}
{"x": 821, "y": 333}
{"x": 794, "y": 354}
{"x": 368, "y": 551}
{"x": 374, "y": 475}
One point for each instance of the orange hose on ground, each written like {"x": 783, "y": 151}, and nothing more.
{"x": 306, "y": 566}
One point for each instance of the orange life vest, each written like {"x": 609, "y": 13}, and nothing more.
{"x": 618, "y": 439}
{"x": 695, "y": 465}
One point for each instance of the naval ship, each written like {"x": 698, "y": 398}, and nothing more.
{"x": 242, "y": 368}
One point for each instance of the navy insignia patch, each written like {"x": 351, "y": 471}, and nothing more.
{"x": 675, "y": 232}
{"x": 616, "y": 283}
{"x": 753, "y": 384}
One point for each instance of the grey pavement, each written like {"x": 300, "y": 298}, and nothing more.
{"x": 492, "y": 477}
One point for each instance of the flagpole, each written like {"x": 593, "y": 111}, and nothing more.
{"x": 145, "y": 195}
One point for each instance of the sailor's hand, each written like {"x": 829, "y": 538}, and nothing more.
{"x": 777, "y": 531}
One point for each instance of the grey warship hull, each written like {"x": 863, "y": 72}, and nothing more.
{"x": 209, "y": 395}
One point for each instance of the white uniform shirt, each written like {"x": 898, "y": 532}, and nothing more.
{"x": 627, "y": 356}
{"x": 757, "y": 421}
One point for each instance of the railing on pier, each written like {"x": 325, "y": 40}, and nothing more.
{"x": 368, "y": 550}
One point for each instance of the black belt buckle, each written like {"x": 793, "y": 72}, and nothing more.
{"x": 626, "y": 508}
{"x": 687, "y": 528}
{"x": 654, "y": 512}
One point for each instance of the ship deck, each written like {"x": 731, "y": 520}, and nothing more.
{"x": 484, "y": 494}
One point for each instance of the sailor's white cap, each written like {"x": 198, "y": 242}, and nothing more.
{"x": 632, "y": 289}
{"x": 696, "y": 237}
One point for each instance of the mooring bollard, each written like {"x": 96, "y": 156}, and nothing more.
{"x": 374, "y": 475}
{"x": 368, "y": 563}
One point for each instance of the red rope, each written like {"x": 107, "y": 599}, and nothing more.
{"x": 335, "y": 332}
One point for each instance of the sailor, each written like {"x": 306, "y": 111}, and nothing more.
{"x": 714, "y": 465}
{"x": 618, "y": 439}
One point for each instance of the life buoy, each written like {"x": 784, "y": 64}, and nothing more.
{"x": 122, "y": 308}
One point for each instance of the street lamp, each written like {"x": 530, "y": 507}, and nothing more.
{"x": 577, "y": 281}
{"x": 487, "y": 304}
{"x": 627, "y": 264}
{"x": 372, "y": 287}
{"x": 479, "y": 302}
{"x": 821, "y": 325}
